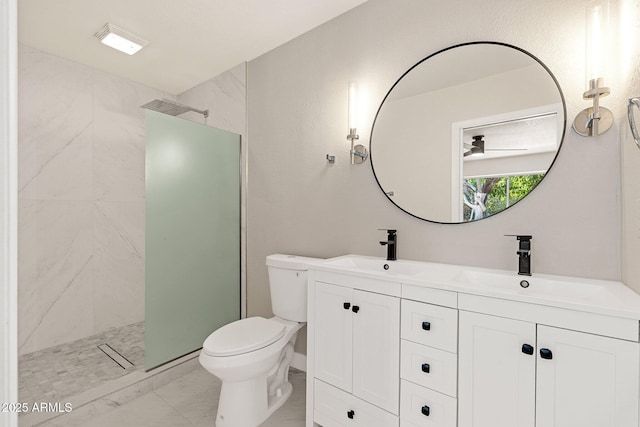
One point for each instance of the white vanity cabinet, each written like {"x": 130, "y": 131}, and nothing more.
{"x": 466, "y": 347}
{"x": 356, "y": 358}
{"x": 514, "y": 373}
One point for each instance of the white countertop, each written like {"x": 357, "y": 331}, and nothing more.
{"x": 590, "y": 295}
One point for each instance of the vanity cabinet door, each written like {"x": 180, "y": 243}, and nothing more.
{"x": 496, "y": 373}
{"x": 586, "y": 380}
{"x": 376, "y": 350}
{"x": 357, "y": 343}
{"x": 333, "y": 335}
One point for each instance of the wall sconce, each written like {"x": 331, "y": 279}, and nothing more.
{"x": 358, "y": 152}
{"x": 595, "y": 120}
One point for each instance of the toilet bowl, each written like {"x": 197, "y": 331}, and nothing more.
{"x": 254, "y": 375}
{"x": 252, "y": 356}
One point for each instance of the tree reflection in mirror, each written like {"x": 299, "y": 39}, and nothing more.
{"x": 486, "y": 196}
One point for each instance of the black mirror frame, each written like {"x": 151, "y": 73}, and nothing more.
{"x": 564, "y": 126}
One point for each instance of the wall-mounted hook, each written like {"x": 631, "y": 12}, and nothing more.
{"x": 331, "y": 159}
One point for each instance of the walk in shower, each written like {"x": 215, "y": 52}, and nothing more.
{"x": 192, "y": 235}
{"x": 191, "y": 259}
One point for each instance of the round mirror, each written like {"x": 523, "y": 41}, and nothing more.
{"x": 467, "y": 132}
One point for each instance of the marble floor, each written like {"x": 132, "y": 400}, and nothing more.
{"x": 59, "y": 372}
{"x": 188, "y": 401}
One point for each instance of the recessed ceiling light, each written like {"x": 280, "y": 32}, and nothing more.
{"x": 120, "y": 39}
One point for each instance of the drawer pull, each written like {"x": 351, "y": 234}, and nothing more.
{"x": 527, "y": 349}
{"x": 351, "y": 414}
{"x": 426, "y": 326}
{"x": 346, "y": 305}
{"x": 425, "y": 410}
{"x": 355, "y": 309}
{"x": 545, "y": 353}
{"x": 426, "y": 368}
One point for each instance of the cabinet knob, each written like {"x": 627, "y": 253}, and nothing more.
{"x": 527, "y": 349}
{"x": 545, "y": 353}
{"x": 426, "y": 326}
{"x": 346, "y": 305}
{"x": 355, "y": 309}
{"x": 425, "y": 410}
{"x": 351, "y": 414}
{"x": 426, "y": 368}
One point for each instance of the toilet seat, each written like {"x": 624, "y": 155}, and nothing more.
{"x": 243, "y": 336}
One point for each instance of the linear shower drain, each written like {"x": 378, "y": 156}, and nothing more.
{"x": 115, "y": 356}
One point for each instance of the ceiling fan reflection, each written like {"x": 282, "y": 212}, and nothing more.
{"x": 477, "y": 147}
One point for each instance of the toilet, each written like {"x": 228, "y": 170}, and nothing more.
{"x": 252, "y": 356}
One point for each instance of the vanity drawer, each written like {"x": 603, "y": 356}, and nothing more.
{"x": 429, "y": 367}
{"x": 421, "y": 407}
{"x": 333, "y": 407}
{"x": 429, "y": 324}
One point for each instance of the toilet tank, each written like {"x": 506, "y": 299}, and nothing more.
{"x": 288, "y": 285}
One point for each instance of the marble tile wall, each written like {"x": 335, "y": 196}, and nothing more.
{"x": 225, "y": 98}
{"x": 82, "y": 192}
{"x": 81, "y": 200}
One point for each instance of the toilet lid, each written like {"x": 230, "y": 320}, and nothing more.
{"x": 243, "y": 336}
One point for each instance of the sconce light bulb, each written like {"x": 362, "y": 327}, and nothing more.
{"x": 595, "y": 120}
{"x": 596, "y": 40}
{"x": 353, "y": 105}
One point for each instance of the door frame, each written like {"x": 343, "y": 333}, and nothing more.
{"x": 9, "y": 209}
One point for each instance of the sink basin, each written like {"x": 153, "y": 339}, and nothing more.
{"x": 470, "y": 278}
{"x": 424, "y": 270}
{"x": 373, "y": 264}
{"x": 537, "y": 286}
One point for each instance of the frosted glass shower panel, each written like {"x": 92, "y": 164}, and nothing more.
{"x": 192, "y": 235}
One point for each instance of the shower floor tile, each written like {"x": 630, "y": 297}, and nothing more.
{"x": 59, "y": 372}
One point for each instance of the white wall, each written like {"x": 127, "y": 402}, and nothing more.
{"x": 297, "y": 106}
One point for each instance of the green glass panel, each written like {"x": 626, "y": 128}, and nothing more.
{"x": 192, "y": 235}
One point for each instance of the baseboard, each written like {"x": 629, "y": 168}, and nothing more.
{"x": 299, "y": 361}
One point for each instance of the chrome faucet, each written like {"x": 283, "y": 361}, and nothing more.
{"x": 524, "y": 254}
{"x": 391, "y": 243}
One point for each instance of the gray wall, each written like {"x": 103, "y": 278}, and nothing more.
{"x": 297, "y": 106}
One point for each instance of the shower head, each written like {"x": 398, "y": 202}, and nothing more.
{"x": 172, "y": 108}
